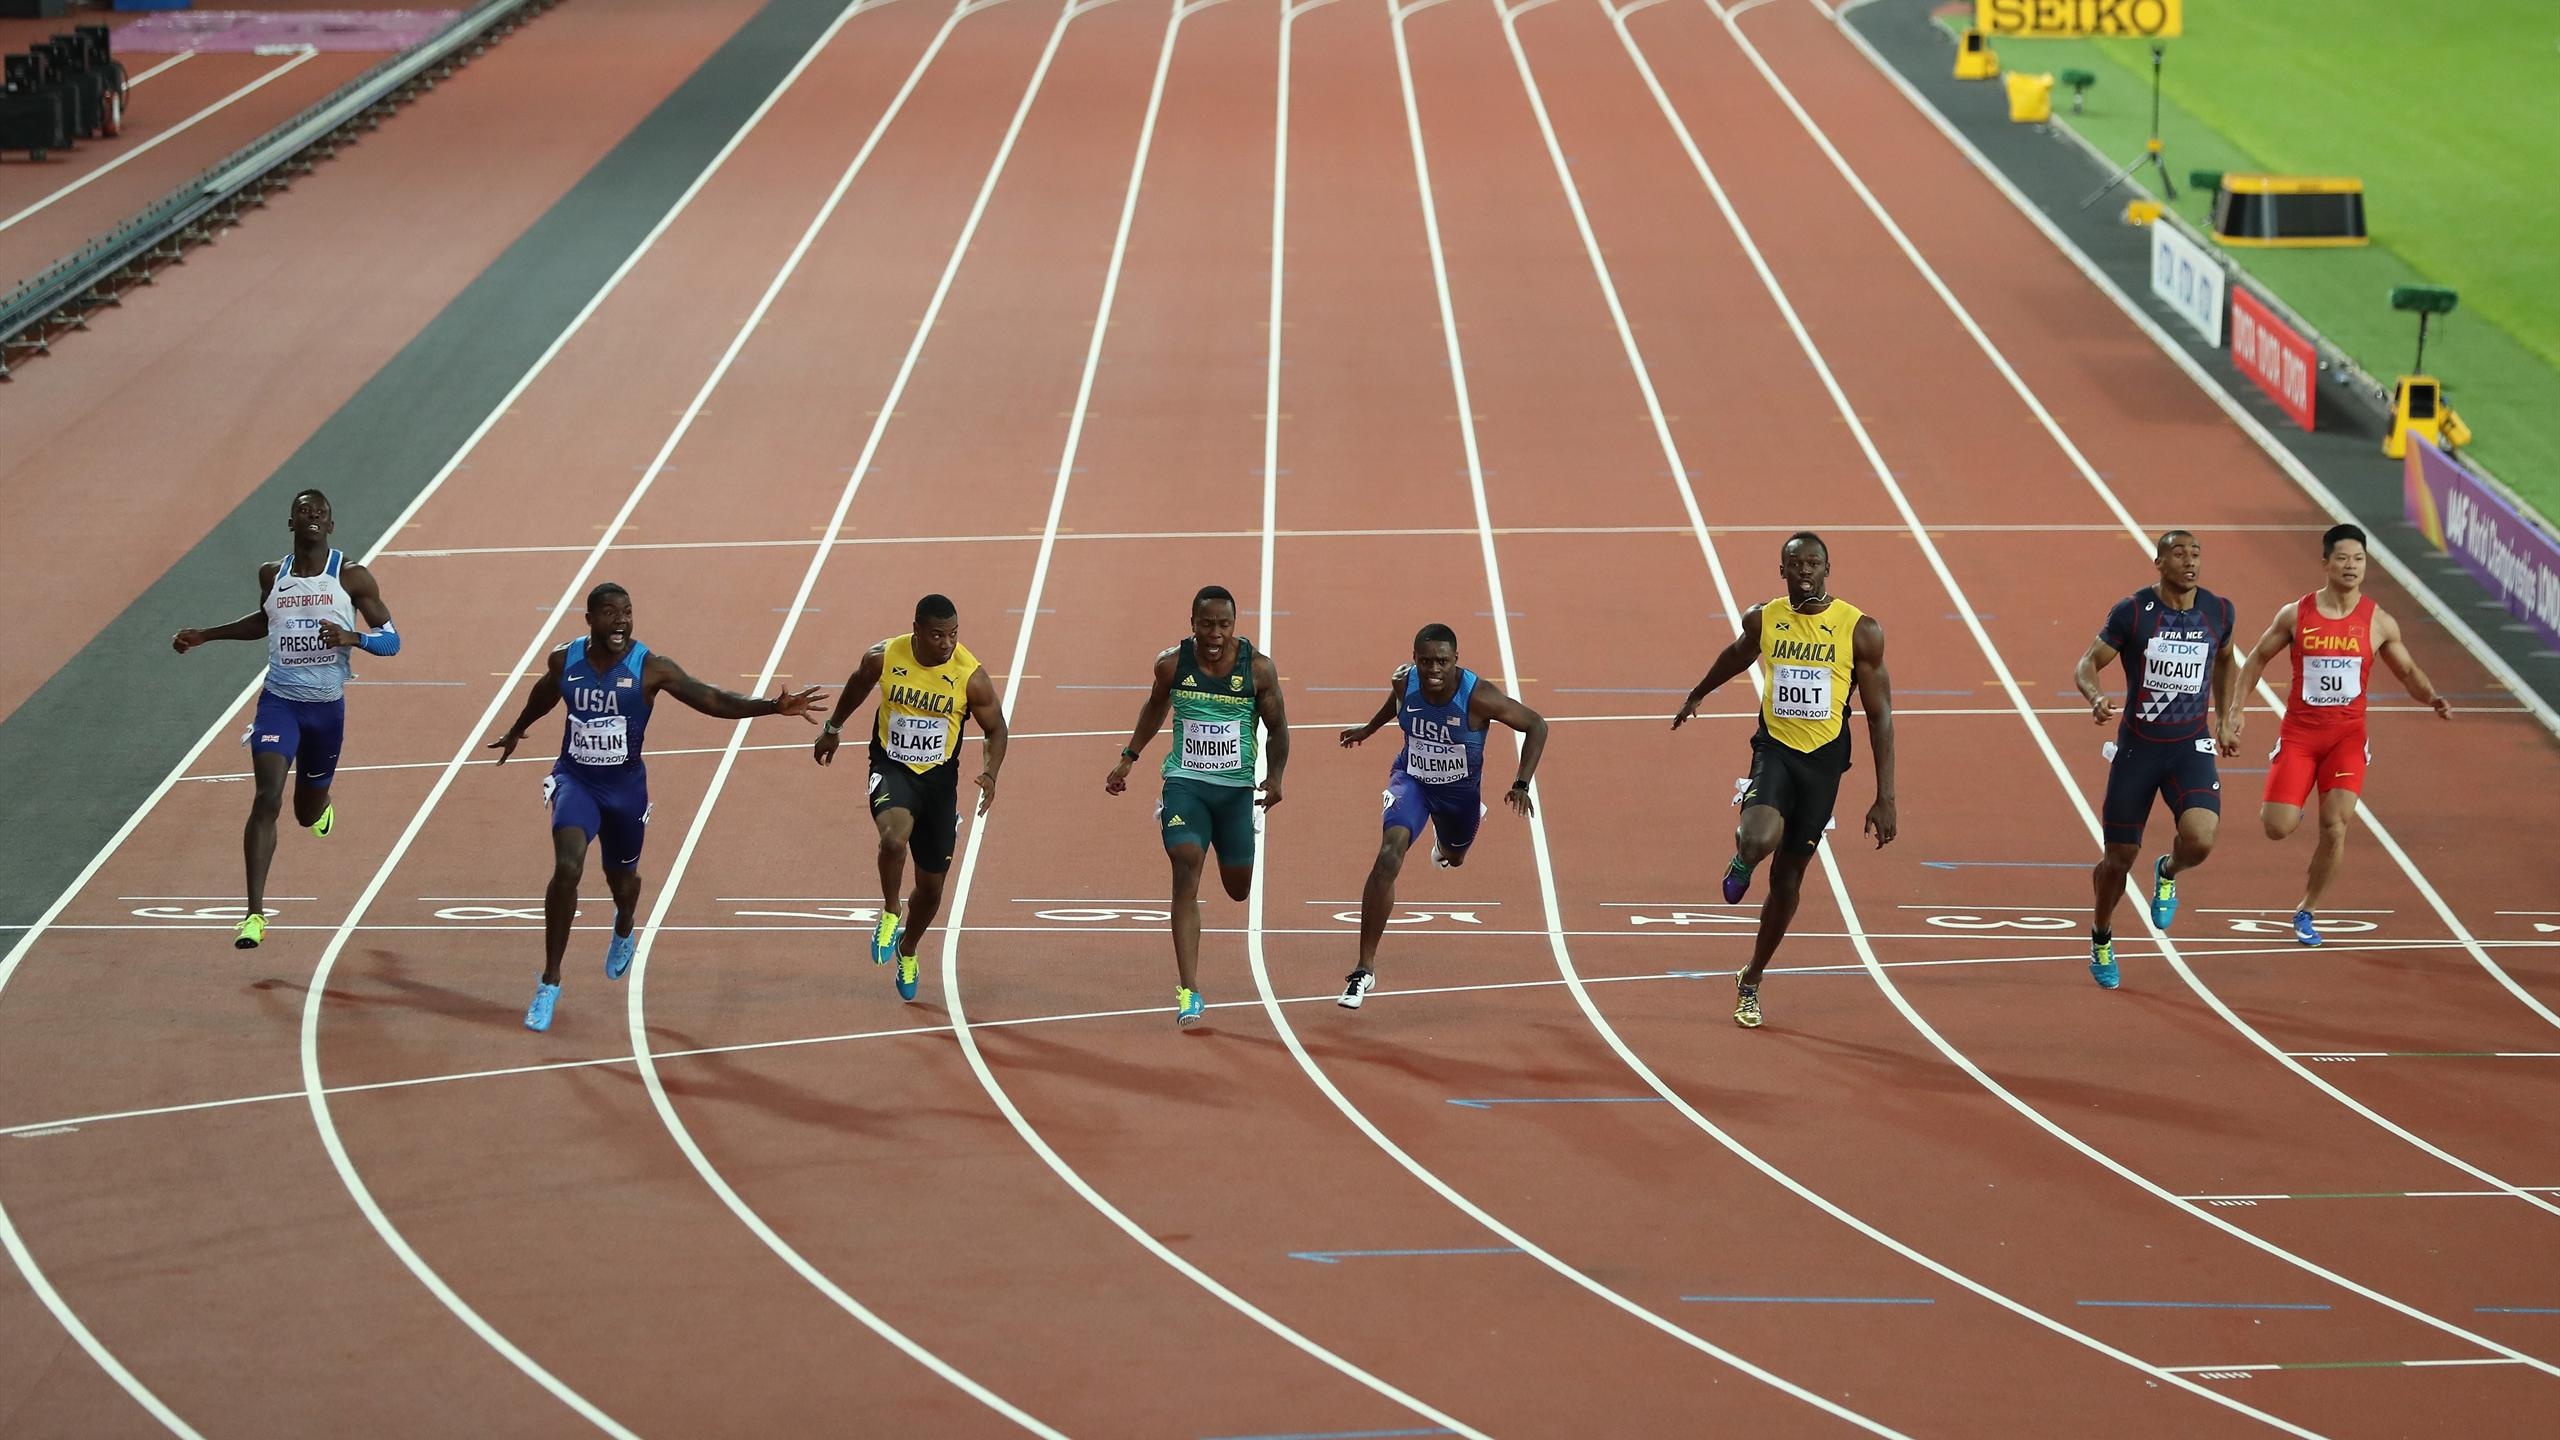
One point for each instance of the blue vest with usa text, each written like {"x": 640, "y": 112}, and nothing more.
{"x": 608, "y": 709}
{"x": 1439, "y": 746}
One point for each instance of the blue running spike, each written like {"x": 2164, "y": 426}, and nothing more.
{"x": 2304, "y": 930}
{"x": 618, "y": 955}
{"x": 537, "y": 1016}
{"x": 2102, "y": 964}
{"x": 2164, "y": 894}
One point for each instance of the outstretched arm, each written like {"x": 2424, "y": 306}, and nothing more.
{"x": 1875, "y": 696}
{"x": 252, "y": 626}
{"x": 1275, "y": 726}
{"x": 537, "y": 703}
{"x": 2270, "y": 645}
{"x": 1151, "y": 717}
{"x": 2394, "y": 653}
{"x": 666, "y": 677}
{"x": 1492, "y": 706}
{"x": 989, "y": 715}
{"x": 1386, "y": 710}
{"x": 384, "y": 639}
{"x": 1731, "y": 661}
{"x": 857, "y": 688}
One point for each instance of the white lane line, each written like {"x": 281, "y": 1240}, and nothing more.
{"x": 165, "y": 136}
{"x": 1397, "y": 995}
{"x": 230, "y": 777}
{"x": 2097, "y": 484}
{"x": 1500, "y": 608}
{"x": 668, "y": 1117}
{"x": 1391, "y": 532}
{"x": 2310, "y": 485}
{"x": 1947, "y": 581}
{"x": 1642, "y": 373}
{"x": 571, "y": 596}
{"x": 961, "y": 1027}
{"x": 18, "y": 1251}
{"x": 163, "y": 67}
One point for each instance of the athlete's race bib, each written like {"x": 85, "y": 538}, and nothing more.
{"x": 1800, "y": 692}
{"x": 299, "y": 646}
{"x": 917, "y": 739}
{"x": 604, "y": 740}
{"x": 2175, "y": 667}
{"x": 1213, "y": 747}
{"x": 1434, "y": 762}
{"x": 2332, "y": 679}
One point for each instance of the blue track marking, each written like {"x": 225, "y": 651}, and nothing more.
{"x": 1489, "y": 1103}
{"x": 2198, "y": 1305}
{"x": 1808, "y": 1300}
{"x": 1335, "y": 1257}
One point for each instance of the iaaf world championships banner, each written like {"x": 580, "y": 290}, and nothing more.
{"x": 2518, "y": 560}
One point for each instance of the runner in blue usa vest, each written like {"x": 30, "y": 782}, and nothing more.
{"x": 1437, "y": 778}
{"x": 599, "y": 787}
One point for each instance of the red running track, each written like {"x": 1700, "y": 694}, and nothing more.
{"x": 1951, "y": 1189}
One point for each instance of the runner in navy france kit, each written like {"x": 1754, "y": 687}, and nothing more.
{"x": 2174, "y": 638}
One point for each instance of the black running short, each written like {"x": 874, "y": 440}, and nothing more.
{"x": 1802, "y": 788}
{"x": 932, "y": 797}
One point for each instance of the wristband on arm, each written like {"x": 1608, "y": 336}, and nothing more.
{"x": 385, "y": 641}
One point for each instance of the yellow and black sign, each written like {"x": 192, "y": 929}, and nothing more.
{"x": 2068, "y": 19}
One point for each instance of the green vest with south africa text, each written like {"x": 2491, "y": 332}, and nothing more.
{"x": 1213, "y": 720}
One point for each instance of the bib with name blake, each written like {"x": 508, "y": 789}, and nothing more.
{"x": 917, "y": 739}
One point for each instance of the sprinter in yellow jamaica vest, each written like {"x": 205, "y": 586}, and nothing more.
{"x": 929, "y": 686}
{"x": 1217, "y": 687}
{"x": 1811, "y": 649}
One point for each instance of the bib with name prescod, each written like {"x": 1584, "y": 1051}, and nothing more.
{"x": 1800, "y": 692}
{"x": 2332, "y": 679}
{"x": 604, "y": 740}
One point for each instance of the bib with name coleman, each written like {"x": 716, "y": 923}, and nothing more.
{"x": 2332, "y": 663}
{"x": 1440, "y": 747}
{"x": 608, "y": 707}
{"x": 1214, "y": 740}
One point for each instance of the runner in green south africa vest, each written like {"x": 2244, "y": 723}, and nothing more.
{"x": 1214, "y": 737}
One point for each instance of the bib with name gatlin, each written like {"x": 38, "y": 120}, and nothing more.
{"x": 1807, "y": 661}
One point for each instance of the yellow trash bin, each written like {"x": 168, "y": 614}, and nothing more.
{"x": 2030, "y": 97}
